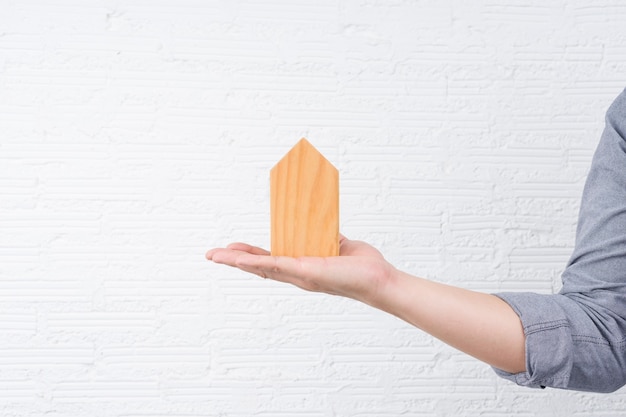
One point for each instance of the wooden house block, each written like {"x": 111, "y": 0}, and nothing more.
{"x": 304, "y": 204}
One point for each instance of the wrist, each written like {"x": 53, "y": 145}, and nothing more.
{"x": 380, "y": 293}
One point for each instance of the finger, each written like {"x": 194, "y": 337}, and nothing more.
{"x": 305, "y": 272}
{"x": 280, "y": 268}
{"x": 347, "y": 246}
{"x": 255, "y": 271}
{"x": 238, "y": 246}
{"x": 343, "y": 241}
{"x": 226, "y": 256}
{"x": 244, "y": 247}
{"x": 209, "y": 254}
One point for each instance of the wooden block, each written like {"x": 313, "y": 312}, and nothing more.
{"x": 304, "y": 204}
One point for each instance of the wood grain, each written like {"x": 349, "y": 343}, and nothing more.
{"x": 304, "y": 204}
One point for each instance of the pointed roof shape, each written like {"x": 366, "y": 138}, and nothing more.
{"x": 304, "y": 204}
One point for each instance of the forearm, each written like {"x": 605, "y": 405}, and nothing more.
{"x": 481, "y": 325}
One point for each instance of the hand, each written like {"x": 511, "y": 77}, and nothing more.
{"x": 359, "y": 272}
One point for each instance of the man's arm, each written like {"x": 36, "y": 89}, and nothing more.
{"x": 481, "y": 325}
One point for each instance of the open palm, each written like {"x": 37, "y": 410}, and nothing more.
{"x": 358, "y": 272}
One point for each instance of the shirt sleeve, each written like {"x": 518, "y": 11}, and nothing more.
{"x": 576, "y": 339}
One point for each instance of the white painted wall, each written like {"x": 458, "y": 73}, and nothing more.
{"x": 135, "y": 135}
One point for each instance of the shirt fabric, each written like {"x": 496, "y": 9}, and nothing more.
{"x": 576, "y": 339}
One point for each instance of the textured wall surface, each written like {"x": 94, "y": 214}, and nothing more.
{"x": 135, "y": 135}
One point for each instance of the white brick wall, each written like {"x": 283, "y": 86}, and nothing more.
{"x": 135, "y": 135}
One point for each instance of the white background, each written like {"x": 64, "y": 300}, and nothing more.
{"x": 135, "y": 135}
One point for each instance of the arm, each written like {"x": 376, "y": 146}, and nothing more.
{"x": 478, "y": 324}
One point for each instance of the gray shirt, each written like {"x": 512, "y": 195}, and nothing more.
{"x": 576, "y": 339}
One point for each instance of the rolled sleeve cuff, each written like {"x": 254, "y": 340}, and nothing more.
{"x": 548, "y": 340}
